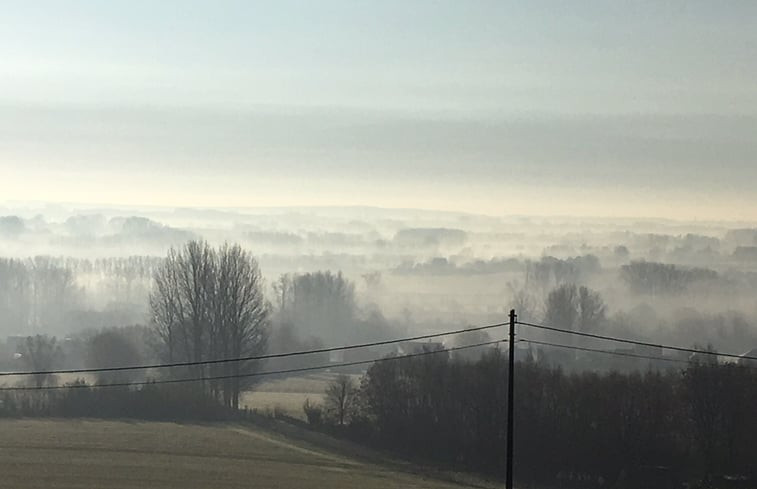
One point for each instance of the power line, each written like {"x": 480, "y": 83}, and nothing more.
{"x": 635, "y": 342}
{"x": 607, "y": 352}
{"x": 622, "y": 354}
{"x": 253, "y": 374}
{"x": 249, "y": 358}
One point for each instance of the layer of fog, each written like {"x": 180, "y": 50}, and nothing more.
{"x": 65, "y": 270}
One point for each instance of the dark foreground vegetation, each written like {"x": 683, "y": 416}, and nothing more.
{"x": 653, "y": 429}
{"x": 650, "y": 429}
{"x": 150, "y": 402}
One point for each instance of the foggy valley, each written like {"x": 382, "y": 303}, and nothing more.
{"x": 418, "y": 270}
{"x": 418, "y": 244}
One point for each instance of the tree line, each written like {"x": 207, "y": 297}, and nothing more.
{"x": 654, "y": 429}
{"x": 35, "y": 293}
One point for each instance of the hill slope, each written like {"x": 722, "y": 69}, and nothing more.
{"x": 125, "y": 455}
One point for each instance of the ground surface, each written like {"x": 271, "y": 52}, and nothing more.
{"x": 147, "y": 455}
{"x": 288, "y": 395}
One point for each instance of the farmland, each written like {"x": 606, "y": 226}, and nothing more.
{"x": 124, "y": 455}
{"x": 287, "y": 395}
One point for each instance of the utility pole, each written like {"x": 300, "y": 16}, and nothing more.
{"x": 510, "y": 391}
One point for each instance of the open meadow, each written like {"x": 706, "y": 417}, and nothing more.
{"x": 148, "y": 455}
{"x": 287, "y": 395}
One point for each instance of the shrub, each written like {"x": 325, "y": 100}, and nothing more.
{"x": 313, "y": 412}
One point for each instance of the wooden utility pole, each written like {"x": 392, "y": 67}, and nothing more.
{"x": 510, "y": 391}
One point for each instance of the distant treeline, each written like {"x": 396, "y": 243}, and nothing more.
{"x": 63, "y": 294}
{"x": 150, "y": 402}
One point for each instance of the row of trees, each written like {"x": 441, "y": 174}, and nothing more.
{"x": 580, "y": 308}
{"x": 317, "y": 308}
{"x": 35, "y": 294}
{"x": 149, "y": 402}
{"x": 60, "y": 295}
{"x": 653, "y": 429}
{"x": 641, "y": 277}
{"x": 652, "y": 278}
{"x": 209, "y": 303}
{"x": 105, "y": 348}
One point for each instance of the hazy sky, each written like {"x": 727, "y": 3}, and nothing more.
{"x": 592, "y": 108}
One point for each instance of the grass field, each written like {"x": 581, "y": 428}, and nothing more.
{"x": 149, "y": 455}
{"x": 288, "y": 395}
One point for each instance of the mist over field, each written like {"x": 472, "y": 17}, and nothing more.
{"x": 428, "y": 244}
{"x": 420, "y": 271}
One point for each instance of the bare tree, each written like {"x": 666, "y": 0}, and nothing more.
{"x": 340, "y": 398}
{"x": 240, "y": 317}
{"x": 283, "y": 290}
{"x": 574, "y": 308}
{"x": 208, "y": 304}
{"x": 591, "y": 309}
{"x": 523, "y": 301}
{"x": 560, "y": 308}
{"x": 181, "y": 302}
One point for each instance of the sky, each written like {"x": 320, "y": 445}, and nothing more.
{"x": 596, "y": 108}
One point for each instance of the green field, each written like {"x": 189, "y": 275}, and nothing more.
{"x": 150, "y": 455}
